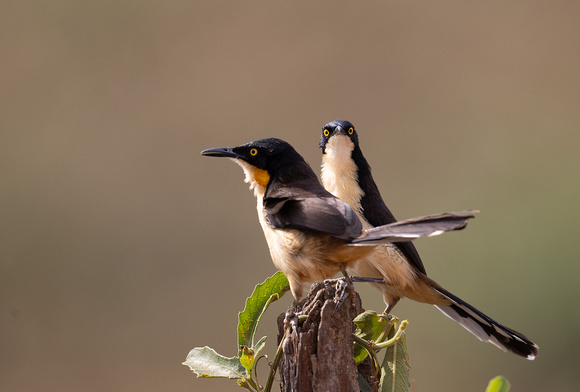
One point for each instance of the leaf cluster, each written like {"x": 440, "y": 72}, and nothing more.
{"x": 206, "y": 362}
{"x": 373, "y": 333}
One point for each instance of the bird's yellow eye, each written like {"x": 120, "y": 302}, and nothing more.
{"x": 350, "y": 131}
{"x": 326, "y": 132}
{"x": 253, "y": 152}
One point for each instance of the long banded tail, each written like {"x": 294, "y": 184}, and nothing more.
{"x": 410, "y": 229}
{"x": 485, "y": 328}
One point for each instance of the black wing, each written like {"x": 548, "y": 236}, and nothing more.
{"x": 303, "y": 211}
{"x": 376, "y": 211}
{"x": 423, "y": 226}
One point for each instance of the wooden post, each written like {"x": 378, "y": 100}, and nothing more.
{"x": 318, "y": 356}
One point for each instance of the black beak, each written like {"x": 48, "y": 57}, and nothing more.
{"x": 227, "y": 152}
{"x": 338, "y": 130}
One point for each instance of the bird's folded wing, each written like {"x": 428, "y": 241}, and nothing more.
{"x": 410, "y": 229}
{"x": 327, "y": 215}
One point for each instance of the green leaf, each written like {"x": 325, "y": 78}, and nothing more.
{"x": 369, "y": 327}
{"x": 498, "y": 384}
{"x": 265, "y": 293}
{"x": 247, "y": 358}
{"x": 205, "y": 362}
{"x": 250, "y": 355}
{"x": 259, "y": 346}
{"x": 395, "y": 367}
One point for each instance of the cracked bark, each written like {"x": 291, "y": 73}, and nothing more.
{"x": 319, "y": 356}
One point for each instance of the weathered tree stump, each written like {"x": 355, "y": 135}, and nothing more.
{"x": 318, "y": 354}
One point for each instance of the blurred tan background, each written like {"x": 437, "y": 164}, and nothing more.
{"x": 121, "y": 248}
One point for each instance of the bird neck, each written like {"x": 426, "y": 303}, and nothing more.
{"x": 289, "y": 173}
{"x": 257, "y": 178}
{"x": 339, "y": 172}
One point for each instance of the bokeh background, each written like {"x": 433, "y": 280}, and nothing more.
{"x": 121, "y": 248}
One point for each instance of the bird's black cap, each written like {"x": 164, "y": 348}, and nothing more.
{"x": 267, "y": 154}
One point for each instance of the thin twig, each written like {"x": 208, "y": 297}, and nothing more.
{"x": 276, "y": 361}
{"x": 395, "y": 338}
{"x": 370, "y": 349}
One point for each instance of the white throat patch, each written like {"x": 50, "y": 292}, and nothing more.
{"x": 339, "y": 172}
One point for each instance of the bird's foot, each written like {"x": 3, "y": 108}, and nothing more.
{"x": 344, "y": 287}
{"x": 291, "y": 319}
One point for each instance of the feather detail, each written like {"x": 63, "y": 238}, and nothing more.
{"x": 485, "y": 328}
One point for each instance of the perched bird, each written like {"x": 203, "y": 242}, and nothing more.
{"x": 312, "y": 235}
{"x": 347, "y": 175}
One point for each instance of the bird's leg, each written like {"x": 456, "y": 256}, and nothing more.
{"x": 291, "y": 317}
{"x": 348, "y": 280}
{"x": 366, "y": 280}
{"x": 388, "y": 323}
{"x": 349, "y": 287}
{"x": 389, "y": 308}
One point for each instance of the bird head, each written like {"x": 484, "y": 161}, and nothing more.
{"x": 261, "y": 160}
{"x": 338, "y": 132}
